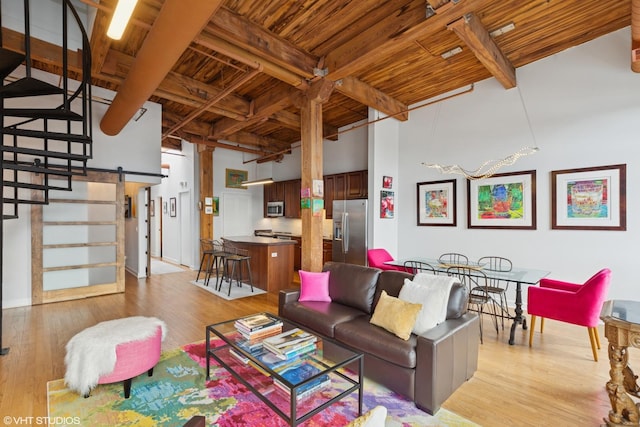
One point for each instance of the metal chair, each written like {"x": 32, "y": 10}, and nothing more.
{"x": 415, "y": 267}
{"x": 477, "y": 283}
{"x": 498, "y": 288}
{"x": 453, "y": 258}
{"x": 217, "y": 261}
{"x": 206, "y": 247}
{"x": 233, "y": 266}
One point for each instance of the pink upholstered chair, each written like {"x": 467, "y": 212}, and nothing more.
{"x": 378, "y": 257}
{"x": 571, "y": 303}
{"x": 132, "y": 359}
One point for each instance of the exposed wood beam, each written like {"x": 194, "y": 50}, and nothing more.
{"x": 100, "y": 44}
{"x": 292, "y": 121}
{"x": 247, "y": 138}
{"x": 213, "y": 42}
{"x": 243, "y": 33}
{"x": 242, "y": 79}
{"x": 237, "y": 147}
{"x": 477, "y": 38}
{"x": 275, "y": 100}
{"x": 45, "y": 52}
{"x": 383, "y": 39}
{"x": 368, "y": 95}
{"x": 175, "y": 27}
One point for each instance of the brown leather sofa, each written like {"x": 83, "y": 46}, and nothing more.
{"x": 426, "y": 368}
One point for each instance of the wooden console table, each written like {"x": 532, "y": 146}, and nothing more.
{"x": 622, "y": 329}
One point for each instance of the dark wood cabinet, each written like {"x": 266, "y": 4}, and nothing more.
{"x": 292, "y": 198}
{"x": 273, "y": 192}
{"x": 357, "y": 185}
{"x": 329, "y": 190}
{"x": 327, "y": 252}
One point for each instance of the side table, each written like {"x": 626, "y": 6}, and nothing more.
{"x": 622, "y": 328}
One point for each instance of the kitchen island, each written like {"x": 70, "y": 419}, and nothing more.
{"x": 271, "y": 261}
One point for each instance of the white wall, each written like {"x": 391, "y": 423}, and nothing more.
{"x": 584, "y": 111}
{"x": 384, "y": 147}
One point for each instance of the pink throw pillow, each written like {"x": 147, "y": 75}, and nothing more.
{"x": 314, "y": 286}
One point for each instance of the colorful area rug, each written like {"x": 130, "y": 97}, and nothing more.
{"x": 236, "y": 291}
{"x": 177, "y": 391}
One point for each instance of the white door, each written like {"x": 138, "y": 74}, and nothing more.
{"x": 185, "y": 229}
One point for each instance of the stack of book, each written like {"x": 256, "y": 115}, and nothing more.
{"x": 290, "y": 344}
{"x": 297, "y": 373}
{"x": 257, "y": 327}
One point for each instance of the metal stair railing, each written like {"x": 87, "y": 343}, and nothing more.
{"x": 54, "y": 143}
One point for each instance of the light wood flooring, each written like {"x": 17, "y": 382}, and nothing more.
{"x": 555, "y": 383}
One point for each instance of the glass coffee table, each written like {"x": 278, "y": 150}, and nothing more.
{"x": 336, "y": 371}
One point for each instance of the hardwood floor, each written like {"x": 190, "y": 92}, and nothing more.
{"x": 555, "y": 383}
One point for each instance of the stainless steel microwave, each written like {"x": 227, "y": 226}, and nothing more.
{"x": 275, "y": 208}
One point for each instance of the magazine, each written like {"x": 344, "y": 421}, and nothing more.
{"x": 291, "y": 337}
{"x": 257, "y": 322}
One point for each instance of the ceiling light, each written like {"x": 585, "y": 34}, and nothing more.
{"x": 257, "y": 182}
{"x": 120, "y": 18}
{"x": 448, "y": 54}
{"x": 500, "y": 31}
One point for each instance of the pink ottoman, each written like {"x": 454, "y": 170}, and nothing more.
{"x": 113, "y": 351}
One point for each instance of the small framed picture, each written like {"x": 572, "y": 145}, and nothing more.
{"x": 172, "y": 206}
{"x": 387, "y": 182}
{"x": 386, "y": 204}
{"x": 152, "y": 208}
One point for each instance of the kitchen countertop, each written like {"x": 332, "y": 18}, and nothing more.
{"x": 284, "y": 234}
{"x": 258, "y": 240}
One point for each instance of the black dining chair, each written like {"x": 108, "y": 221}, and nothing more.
{"x": 235, "y": 260}
{"x": 415, "y": 267}
{"x": 497, "y": 287}
{"x": 477, "y": 284}
{"x": 453, "y": 258}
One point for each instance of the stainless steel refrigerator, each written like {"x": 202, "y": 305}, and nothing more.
{"x": 350, "y": 231}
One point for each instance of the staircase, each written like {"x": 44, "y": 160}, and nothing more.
{"x": 46, "y": 128}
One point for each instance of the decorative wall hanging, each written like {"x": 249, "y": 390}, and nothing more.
{"x": 506, "y": 200}
{"x": 172, "y": 206}
{"x": 589, "y": 198}
{"x": 386, "y": 204}
{"x": 437, "y": 203}
{"x": 233, "y": 178}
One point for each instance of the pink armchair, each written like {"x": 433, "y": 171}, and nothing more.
{"x": 378, "y": 257}
{"x": 571, "y": 303}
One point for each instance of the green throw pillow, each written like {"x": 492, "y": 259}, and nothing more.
{"x": 395, "y": 315}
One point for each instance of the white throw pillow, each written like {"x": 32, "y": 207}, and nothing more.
{"x": 432, "y": 292}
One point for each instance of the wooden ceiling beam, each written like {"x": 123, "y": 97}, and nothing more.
{"x": 368, "y": 95}
{"x": 385, "y": 38}
{"x": 477, "y": 38}
{"x": 100, "y": 44}
{"x": 237, "y": 147}
{"x": 292, "y": 121}
{"x": 275, "y": 100}
{"x": 247, "y": 138}
{"x": 243, "y": 33}
{"x": 213, "y": 42}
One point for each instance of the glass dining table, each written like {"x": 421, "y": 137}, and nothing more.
{"x": 518, "y": 275}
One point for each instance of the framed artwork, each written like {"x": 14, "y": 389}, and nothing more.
{"x": 216, "y": 206}
{"x": 589, "y": 198}
{"x": 152, "y": 208}
{"x": 437, "y": 203}
{"x": 386, "y": 204}
{"x": 505, "y": 200}
{"x": 172, "y": 206}
{"x": 233, "y": 178}
{"x": 387, "y": 182}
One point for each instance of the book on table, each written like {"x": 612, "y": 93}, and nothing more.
{"x": 294, "y": 350}
{"x": 256, "y": 322}
{"x": 260, "y": 334}
{"x": 297, "y": 373}
{"x": 290, "y": 338}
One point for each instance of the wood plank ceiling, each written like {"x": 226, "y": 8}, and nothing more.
{"x": 237, "y": 83}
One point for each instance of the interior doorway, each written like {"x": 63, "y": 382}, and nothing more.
{"x": 186, "y": 249}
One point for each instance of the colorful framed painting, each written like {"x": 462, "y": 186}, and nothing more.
{"x": 233, "y": 178}
{"x": 589, "y": 198}
{"x": 386, "y": 204}
{"x": 505, "y": 200}
{"x": 215, "y": 203}
{"x": 437, "y": 203}
{"x": 387, "y": 182}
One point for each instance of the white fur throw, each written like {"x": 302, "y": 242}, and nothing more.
{"x": 91, "y": 353}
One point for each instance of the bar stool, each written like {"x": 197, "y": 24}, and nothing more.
{"x": 235, "y": 257}
{"x": 206, "y": 247}
{"x": 218, "y": 256}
